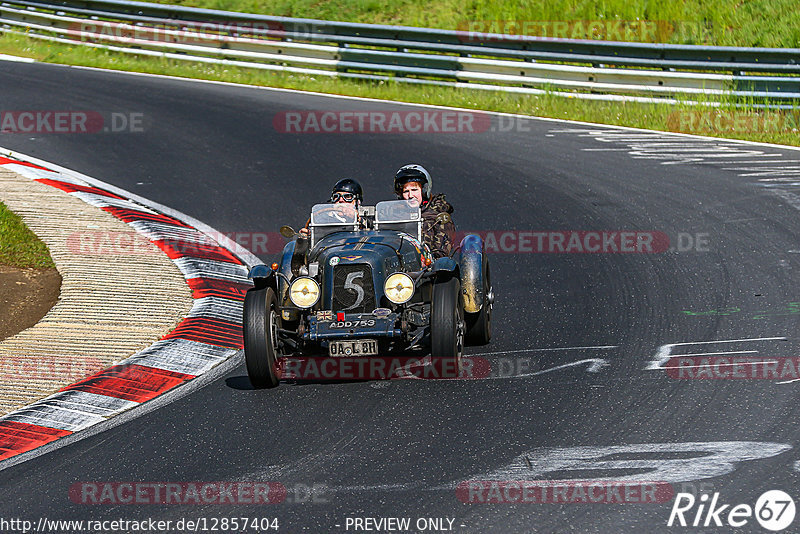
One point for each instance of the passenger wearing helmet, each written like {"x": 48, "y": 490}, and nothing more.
{"x": 438, "y": 229}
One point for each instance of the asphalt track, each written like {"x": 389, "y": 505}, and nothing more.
{"x": 400, "y": 448}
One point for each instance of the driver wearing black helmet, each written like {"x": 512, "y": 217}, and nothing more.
{"x": 346, "y": 191}
{"x": 414, "y": 182}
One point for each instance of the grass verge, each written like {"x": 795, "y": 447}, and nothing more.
{"x": 19, "y": 246}
{"x": 766, "y": 23}
{"x": 726, "y": 121}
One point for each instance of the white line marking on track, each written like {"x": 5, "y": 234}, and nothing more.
{"x": 664, "y": 352}
{"x": 727, "y": 341}
{"x": 721, "y": 364}
{"x": 376, "y": 487}
{"x": 681, "y": 160}
{"x": 596, "y": 365}
{"x": 771, "y": 172}
{"x": 684, "y": 149}
{"x": 595, "y": 347}
{"x": 718, "y": 353}
{"x": 754, "y": 162}
{"x": 789, "y": 381}
{"x": 16, "y": 59}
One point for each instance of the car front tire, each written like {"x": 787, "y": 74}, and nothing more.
{"x": 447, "y": 325}
{"x": 260, "y": 337}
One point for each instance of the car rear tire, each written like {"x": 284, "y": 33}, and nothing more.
{"x": 447, "y": 326}
{"x": 261, "y": 318}
{"x": 479, "y": 325}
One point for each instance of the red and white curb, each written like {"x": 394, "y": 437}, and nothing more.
{"x": 215, "y": 269}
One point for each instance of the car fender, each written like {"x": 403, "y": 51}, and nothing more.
{"x": 262, "y": 277}
{"x": 470, "y": 261}
{"x": 285, "y": 268}
{"x": 445, "y": 265}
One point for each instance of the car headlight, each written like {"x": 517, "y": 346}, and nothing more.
{"x": 399, "y": 288}
{"x": 304, "y": 292}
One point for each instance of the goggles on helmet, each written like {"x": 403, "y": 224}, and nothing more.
{"x": 347, "y": 197}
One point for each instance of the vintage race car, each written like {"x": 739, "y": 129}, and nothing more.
{"x": 362, "y": 285}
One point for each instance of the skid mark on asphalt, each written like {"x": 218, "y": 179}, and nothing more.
{"x": 699, "y": 460}
{"x": 517, "y": 366}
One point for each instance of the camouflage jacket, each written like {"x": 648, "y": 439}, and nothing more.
{"x": 438, "y": 229}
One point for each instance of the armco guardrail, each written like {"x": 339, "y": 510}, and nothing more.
{"x": 416, "y": 55}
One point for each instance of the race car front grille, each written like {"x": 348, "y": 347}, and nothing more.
{"x": 353, "y": 290}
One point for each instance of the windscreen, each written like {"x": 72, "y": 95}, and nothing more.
{"x": 399, "y": 215}
{"x": 333, "y": 214}
{"x": 329, "y": 218}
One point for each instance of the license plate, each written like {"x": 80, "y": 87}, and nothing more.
{"x": 362, "y": 347}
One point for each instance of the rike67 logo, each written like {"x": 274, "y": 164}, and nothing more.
{"x": 774, "y": 510}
